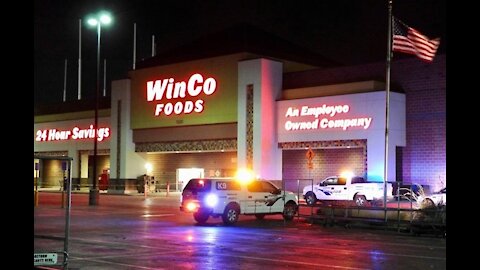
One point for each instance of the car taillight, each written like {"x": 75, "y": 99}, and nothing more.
{"x": 191, "y": 206}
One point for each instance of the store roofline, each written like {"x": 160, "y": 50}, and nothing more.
{"x": 240, "y": 38}
{"x": 71, "y": 106}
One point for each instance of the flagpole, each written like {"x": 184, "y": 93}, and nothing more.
{"x": 134, "y": 44}
{"x": 104, "y": 77}
{"x": 65, "y": 82}
{"x": 153, "y": 45}
{"x": 387, "y": 105}
{"x": 79, "y": 59}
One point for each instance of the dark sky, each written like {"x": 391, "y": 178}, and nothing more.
{"x": 348, "y": 31}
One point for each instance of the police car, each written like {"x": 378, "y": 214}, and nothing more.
{"x": 229, "y": 197}
{"x": 348, "y": 187}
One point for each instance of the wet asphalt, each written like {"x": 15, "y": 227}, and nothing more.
{"x": 137, "y": 232}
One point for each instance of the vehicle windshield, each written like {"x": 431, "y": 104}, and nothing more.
{"x": 199, "y": 185}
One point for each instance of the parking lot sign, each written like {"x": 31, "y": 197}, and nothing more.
{"x": 45, "y": 258}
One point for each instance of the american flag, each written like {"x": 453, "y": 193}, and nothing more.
{"x": 408, "y": 40}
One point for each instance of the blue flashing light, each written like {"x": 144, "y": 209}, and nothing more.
{"x": 211, "y": 200}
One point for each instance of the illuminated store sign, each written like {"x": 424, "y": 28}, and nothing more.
{"x": 325, "y": 117}
{"x": 76, "y": 133}
{"x": 187, "y": 91}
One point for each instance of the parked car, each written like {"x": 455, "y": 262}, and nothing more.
{"x": 229, "y": 197}
{"x": 346, "y": 188}
{"x": 436, "y": 199}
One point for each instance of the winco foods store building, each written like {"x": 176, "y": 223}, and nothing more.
{"x": 209, "y": 114}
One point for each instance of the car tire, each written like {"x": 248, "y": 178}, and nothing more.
{"x": 310, "y": 198}
{"x": 289, "y": 211}
{"x": 360, "y": 200}
{"x": 230, "y": 214}
{"x": 200, "y": 217}
{"x": 260, "y": 216}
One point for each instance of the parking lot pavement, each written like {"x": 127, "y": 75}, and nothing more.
{"x": 133, "y": 232}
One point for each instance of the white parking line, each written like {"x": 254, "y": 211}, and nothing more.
{"x": 158, "y": 215}
{"x": 100, "y": 260}
{"x": 149, "y": 253}
{"x": 322, "y": 265}
{"x": 122, "y": 264}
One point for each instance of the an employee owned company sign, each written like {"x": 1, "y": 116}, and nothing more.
{"x": 322, "y": 117}
{"x": 186, "y": 93}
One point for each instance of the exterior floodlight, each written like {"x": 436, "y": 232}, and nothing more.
{"x": 102, "y": 19}
{"x": 97, "y": 21}
{"x": 92, "y": 21}
{"x": 149, "y": 168}
{"x": 105, "y": 19}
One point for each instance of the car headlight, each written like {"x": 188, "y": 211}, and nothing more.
{"x": 211, "y": 200}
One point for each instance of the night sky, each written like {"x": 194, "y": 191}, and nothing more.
{"x": 348, "y": 31}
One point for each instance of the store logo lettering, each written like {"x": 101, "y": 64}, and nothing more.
{"x": 168, "y": 89}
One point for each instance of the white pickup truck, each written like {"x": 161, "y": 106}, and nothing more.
{"x": 346, "y": 188}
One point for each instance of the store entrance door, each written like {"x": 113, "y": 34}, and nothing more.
{"x": 185, "y": 174}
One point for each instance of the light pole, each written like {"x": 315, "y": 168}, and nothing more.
{"x": 101, "y": 18}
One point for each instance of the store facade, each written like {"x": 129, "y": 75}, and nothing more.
{"x": 72, "y": 135}
{"x": 208, "y": 117}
